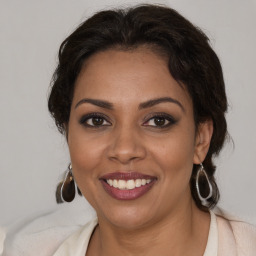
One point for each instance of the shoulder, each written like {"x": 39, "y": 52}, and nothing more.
{"x": 77, "y": 243}
{"x": 234, "y": 231}
{"x": 43, "y": 234}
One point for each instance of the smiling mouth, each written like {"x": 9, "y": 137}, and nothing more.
{"x": 127, "y": 186}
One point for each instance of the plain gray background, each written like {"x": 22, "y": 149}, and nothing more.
{"x": 33, "y": 156}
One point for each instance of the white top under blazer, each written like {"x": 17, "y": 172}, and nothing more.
{"x": 64, "y": 234}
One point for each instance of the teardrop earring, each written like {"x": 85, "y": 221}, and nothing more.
{"x": 66, "y": 189}
{"x": 201, "y": 172}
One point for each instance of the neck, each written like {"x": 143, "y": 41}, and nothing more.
{"x": 181, "y": 233}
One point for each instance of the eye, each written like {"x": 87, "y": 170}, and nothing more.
{"x": 94, "y": 120}
{"x": 160, "y": 121}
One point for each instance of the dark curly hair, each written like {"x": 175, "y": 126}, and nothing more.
{"x": 191, "y": 60}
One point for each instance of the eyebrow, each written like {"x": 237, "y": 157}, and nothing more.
{"x": 153, "y": 102}
{"x": 99, "y": 103}
{"x": 143, "y": 105}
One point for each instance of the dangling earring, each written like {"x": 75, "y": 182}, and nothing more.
{"x": 200, "y": 172}
{"x": 66, "y": 190}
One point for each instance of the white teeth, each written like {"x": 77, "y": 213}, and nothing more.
{"x": 129, "y": 184}
{"x": 110, "y": 182}
{"x": 115, "y": 183}
{"x": 137, "y": 183}
{"x": 121, "y": 184}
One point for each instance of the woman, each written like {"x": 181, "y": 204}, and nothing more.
{"x": 139, "y": 95}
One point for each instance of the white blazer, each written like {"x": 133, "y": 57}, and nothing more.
{"x": 227, "y": 237}
{"x": 63, "y": 233}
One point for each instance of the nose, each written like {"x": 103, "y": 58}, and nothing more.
{"x": 126, "y": 146}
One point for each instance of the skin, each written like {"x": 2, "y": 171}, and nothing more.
{"x": 165, "y": 219}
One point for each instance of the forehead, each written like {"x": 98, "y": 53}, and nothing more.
{"x": 126, "y": 77}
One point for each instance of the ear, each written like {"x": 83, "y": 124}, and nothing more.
{"x": 203, "y": 140}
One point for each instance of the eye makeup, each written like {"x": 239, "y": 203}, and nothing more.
{"x": 160, "y": 120}
{"x": 94, "y": 120}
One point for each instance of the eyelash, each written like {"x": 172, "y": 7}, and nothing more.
{"x": 84, "y": 120}
{"x": 169, "y": 118}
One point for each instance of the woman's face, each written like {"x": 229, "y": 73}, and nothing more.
{"x": 132, "y": 138}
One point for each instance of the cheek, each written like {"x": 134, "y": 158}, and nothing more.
{"x": 175, "y": 154}
{"x": 86, "y": 160}
{"x": 86, "y": 152}
{"x": 85, "y": 156}
{"x": 174, "y": 157}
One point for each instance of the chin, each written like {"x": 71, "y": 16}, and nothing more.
{"x": 130, "y": 218}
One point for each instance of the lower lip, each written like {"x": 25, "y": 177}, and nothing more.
{"x": 127, "y": 194}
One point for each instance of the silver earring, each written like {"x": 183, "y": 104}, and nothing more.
{"x": 200, "y": 172}
{"x": 66, "y": 190}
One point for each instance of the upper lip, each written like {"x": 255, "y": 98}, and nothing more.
{"x": 126, "y": 176}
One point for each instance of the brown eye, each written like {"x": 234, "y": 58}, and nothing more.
{"x": 97, "y": 121}
{"x": 160, "y": 121}
{"x": 94, "y": 120}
